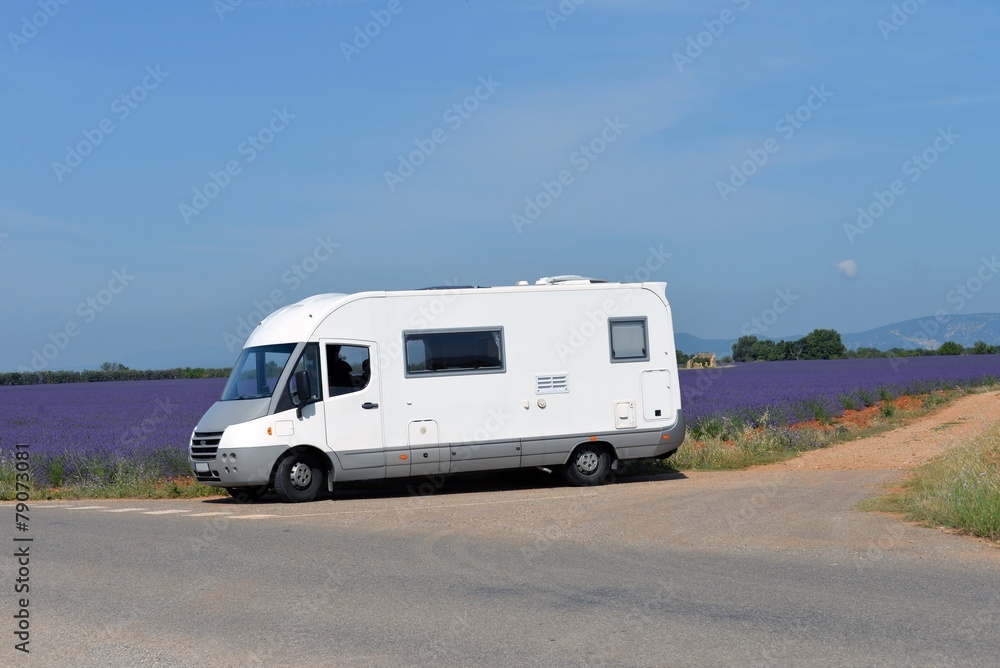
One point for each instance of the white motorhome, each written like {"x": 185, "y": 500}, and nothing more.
{"x": 570, "y": 373}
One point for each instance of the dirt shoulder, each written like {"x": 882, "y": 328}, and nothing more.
{"x": 907, "y": 446}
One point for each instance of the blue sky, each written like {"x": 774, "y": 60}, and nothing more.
{"x": 738, "y": 136}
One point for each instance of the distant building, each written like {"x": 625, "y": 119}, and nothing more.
{"x": 701, "y": 361}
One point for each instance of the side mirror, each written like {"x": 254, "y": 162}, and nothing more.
{"x": 303, "y": 390}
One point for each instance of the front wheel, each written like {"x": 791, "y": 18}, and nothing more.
{"x": 588, "y": 465}
{"x": 298, "y": 478}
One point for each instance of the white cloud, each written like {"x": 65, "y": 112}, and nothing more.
{"x": 849, "y": 268}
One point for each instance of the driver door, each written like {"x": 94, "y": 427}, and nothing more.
{"x": 352, "y": 404}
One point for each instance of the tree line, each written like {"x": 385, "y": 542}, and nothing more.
{"x": 826, "y": 344}
{"x": 109, "y": 371}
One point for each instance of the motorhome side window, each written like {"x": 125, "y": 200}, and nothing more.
{"x": 629, "y": 339}
{"x": 454, "y": 351}
{"x": 348, "y": 368}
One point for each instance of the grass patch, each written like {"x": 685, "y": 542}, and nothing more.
{"x": 763, "y": 445}
{"x": 105, "y": 475}
{"x": 960, "y": 489}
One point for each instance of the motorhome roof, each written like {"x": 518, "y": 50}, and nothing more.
{"x": 296, "y": 322}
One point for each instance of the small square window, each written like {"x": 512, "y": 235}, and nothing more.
{"x": 629, "y": 339}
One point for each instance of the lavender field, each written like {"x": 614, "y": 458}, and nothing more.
{"x": 805, "y": 390}
{"x": 95, "y": 434}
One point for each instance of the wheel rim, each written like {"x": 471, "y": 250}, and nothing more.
{"x": 301, "y": 475}
{"x": 588, "y": 462}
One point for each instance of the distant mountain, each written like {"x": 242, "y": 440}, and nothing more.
{"x": 928, "y": 333}
{"x": 691, "y": 344}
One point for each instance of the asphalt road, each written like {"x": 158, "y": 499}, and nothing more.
{"x": 762, "y": 568}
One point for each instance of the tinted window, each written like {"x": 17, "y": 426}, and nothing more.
{"x": 454, "y": 351}
{"x": 348, "y": 368}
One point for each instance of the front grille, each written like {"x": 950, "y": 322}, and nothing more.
{"x": 204, "y": 445}
{"x": 207, "y": 477}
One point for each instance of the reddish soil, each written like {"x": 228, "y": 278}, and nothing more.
{"x": 906, "y": 446}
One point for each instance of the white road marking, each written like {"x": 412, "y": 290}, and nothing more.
{"x": 125, "y": 510}
{"x": 165, "y": 512}
{"x": 432, "y": 506}
{"x": 88, "y": 508}
{"x": 251, "y": 517}
{"x": 208, "y": 514}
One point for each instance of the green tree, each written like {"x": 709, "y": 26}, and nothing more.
{"x": 743, "y": 349}
{"x": 822, "y": 344}
{"x": 113, "y": 366}
{"x": 982, "y": 348}
{"x": 681, "y": 357}
{"x": 950, "y": 348}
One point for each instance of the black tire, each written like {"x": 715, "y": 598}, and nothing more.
{"x": 298, "y": 478}
{"x": 588, "y": 465}
{"x": 246, "y": 494}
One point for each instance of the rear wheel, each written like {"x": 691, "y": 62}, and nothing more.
{"x": 588, "y": 465}
{"x": 298, "y": 477}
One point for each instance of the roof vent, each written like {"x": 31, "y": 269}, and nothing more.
{"x": 452, "y": 287}
{"x": 569, "y": 279}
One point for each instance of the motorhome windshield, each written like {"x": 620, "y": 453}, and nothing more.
{"x": 256, "y": 372}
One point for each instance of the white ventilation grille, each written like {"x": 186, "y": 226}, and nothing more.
{"x": 552, "y": 384}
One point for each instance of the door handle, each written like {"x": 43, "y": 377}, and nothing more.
{"x": 369, "y": 404}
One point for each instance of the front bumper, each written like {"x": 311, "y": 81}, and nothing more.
{"x": 236, "y": 467}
